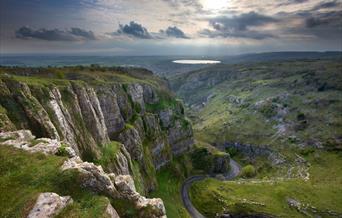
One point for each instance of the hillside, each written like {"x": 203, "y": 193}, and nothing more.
{"x": 123, "y": 119}
{"x": 276, "y": 103}
{"x": 282, "y": 122}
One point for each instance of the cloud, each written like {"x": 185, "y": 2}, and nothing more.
{"x": 75, "y": 34}
{"x": 325, "y": 5}
{"x": 249, "y": 34}
{"x": 196, "y": 4}
{"x": 290, "y": 2}
{"x": 240, "y": 22}
{"x": 174, "y": 32}
{"x": 317, "y": 26}
{"x": 239, "y": 26}
{"x": 329, "y": 19}
{"x": 83, "y": 33}
{"x": 133, "y": 29}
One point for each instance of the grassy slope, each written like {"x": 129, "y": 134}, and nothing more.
{"x": 169, "y": 187}
{"x": 23, "y": 176}
{"x": 224, "y": 120}
{"x": 323, "y": 191}
{"x": 170, "y": 179}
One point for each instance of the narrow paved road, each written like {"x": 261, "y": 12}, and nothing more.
{"x": 194, "y": 213}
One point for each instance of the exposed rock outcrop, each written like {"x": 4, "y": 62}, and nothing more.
{"x": 92, "y": 177}
{"x": 115, "y": 186}
{"x": 88, "y": 115}
{"x": 252, "y": 151}
{"x": 23, "y": 139}
{"x": 111, "y": 212}
{"x": 49, "y": 205}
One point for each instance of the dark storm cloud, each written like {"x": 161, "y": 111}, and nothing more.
{"x": 238, "y": 26}
{"x": 83, "y": 33}
{"x": 330, "y": 4}
{"x": 315, "y": 24}
{"x": 331, "y": 19}
{"x": 240, "y": 22}
{"x": 292, "y": 2}
{"x": 248, "y": 34}
{"x": 138, "y": 31}
{"x": 174, "y": 32}
{"x": 75, "y": 34}
{"x": 134, "y": 29}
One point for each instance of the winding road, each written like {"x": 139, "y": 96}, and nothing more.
{"x": 194, "y": 213}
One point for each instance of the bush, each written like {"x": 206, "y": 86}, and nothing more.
{"x": 232, "y": 151}
{"x": 248, "y": 171}
{"x": 201, "y": 159}
{"x": 62, "y": 151}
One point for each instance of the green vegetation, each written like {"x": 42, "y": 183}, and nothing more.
{"x": 279, "y": 104}
{"x": 323, "y": 191}
{"x": 169, "y": 180}
{"x": 23, "y": 176}
{"x": 62, "y": 151}
{"x": 292, "y": 107}
{"x": 169, "y": 186}
{"x": 248, "y": 171}
{"x": 109, "y": 152}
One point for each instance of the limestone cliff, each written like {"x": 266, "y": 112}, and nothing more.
{"x": 89, "y": 109}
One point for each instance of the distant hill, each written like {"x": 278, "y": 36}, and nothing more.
{"x": 161, "y": 65}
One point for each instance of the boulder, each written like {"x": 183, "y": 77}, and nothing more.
{"x": 49, "y": 205}
{"x": 92, "y": 177}
{"x": 111, "y": 212}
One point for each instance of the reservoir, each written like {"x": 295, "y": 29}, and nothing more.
{"x": 196, "y": 62}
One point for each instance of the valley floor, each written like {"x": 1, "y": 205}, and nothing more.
{"x": 321, "y": 195}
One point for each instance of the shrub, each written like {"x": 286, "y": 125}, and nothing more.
{"x": 232, "y": 151}
{"x": 62, "y": 151}
{"x": 201, "y": 159}
{"x": 248, "y": 171}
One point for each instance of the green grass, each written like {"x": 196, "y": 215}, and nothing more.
{"x": 221, "y": 119}
{"x": 169, "y": 187}
{"x": 170, "y": 179}
{"x": 323, "y": 191}
{"x": 109, "y": 152}
{"x": 23, "y": 176}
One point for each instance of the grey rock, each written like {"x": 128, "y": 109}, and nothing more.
{"x": 91, "y": 113}
{"x": 23, "y": 139}
{"x": 131, "y": 139}
{"x": 111, "y": 111}
{"x": 92, "y": 177}
{"x": 111, "y": 212}
{"x": 136, "y": 91}
{"x": 49, "y": 205}
{"x": 150, "y": 96}
{"x": 166, "y": 118}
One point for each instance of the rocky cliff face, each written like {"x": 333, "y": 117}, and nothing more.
{"x": 90, "y": 176}
{"x": 89, "y": 114}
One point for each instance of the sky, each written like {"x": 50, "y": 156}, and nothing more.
{"x": 169, "y": 27}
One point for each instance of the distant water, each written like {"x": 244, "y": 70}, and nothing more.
{"x": 196, "y": 62}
